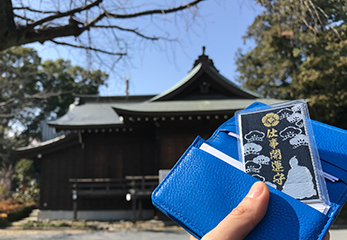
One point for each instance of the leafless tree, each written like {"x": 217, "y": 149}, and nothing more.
{"x": 77, "y": 23}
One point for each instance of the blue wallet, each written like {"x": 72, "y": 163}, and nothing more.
{"x": 201, "y": 190}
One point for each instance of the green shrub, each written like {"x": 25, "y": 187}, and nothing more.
{"x": 28, "y": 188}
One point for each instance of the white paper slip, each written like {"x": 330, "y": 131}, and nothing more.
{"x": 330, "y": 177}
{"x": 235, "y": 135}
{"x": 220, "y": 155}
{"x": 320, "y": 207}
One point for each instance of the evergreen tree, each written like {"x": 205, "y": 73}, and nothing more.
{"x": 300, "y": 52}
{"x": 31, "y": 91}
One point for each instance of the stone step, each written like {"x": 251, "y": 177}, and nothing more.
{"x": 34, "y": 213}
{"x": 31, "y": 217}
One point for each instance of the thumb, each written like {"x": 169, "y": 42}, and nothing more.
{"x": 244, "y": 217}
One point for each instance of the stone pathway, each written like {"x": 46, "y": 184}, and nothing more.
{"x": 123, "y": 230}
{"x": 96, "y": 235}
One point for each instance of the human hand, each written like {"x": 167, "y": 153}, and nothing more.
{"x": 244, "y": 217}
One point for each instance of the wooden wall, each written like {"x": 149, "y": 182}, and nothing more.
{"x": 142, "y": 151}
{"x": 103, "y": 155}
{"x": 56, "y": 169}
{"x": 175, "y": 139}
{"x": 116, "y": 155}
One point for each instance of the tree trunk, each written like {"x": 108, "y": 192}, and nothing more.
{"x": 8, "y": 31}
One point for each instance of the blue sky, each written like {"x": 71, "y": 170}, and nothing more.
{"x": 155, "y": 68}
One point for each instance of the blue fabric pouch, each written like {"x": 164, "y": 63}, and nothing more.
{"x": 201, "y": 190}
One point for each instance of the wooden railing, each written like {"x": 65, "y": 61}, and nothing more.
{"x": 142, "y": 186}
{"x": 134, "y": 188}
{"x": 99, "y": 187}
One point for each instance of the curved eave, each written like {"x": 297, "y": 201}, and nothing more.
{"x": 232, "y": 87}
{"x": 195, "y": 73}
{"x": 33, "y": 152}
{"x": 178, "y": 86}
{"x": 92, "y": 115}
{"x": 172, "y": 108}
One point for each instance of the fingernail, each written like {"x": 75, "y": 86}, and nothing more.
{"x": 256, "y": 190}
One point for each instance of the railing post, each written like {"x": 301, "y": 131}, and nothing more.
{"x": 74, "y": 200}
{"x": 140, "y": 209}
{"x": 143, "y": 183}
{"x": 134, "y": 208}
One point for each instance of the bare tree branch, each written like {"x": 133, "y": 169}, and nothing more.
{"x": 155, "y": 11}
{"x": 330, "y": 26}
{"x": 47, "y": 94}
{"x": 314, "y": 12}
{"x": 64, "y": 14}
{"x": 88, "y": 48}
{"x": 6, "y": 102}
{"x": 7, "y": 115}
{"x": 34, "y": 10}
{"x": 22, "y": 24}
{"x": 129, "y": 30}
{"x": 24, "y": 18}
{"x": 47, "y": 33}
{"x": 94, "y": 21}
{"x": 307, "y": 25}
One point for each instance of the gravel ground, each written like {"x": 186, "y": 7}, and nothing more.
{"x": 103, "y": 235}
{"x": 94, "y": 235}
{"x": 338, "y": 234}
{"x": 123, "y": 230}
{"x": 146, "y": 230}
